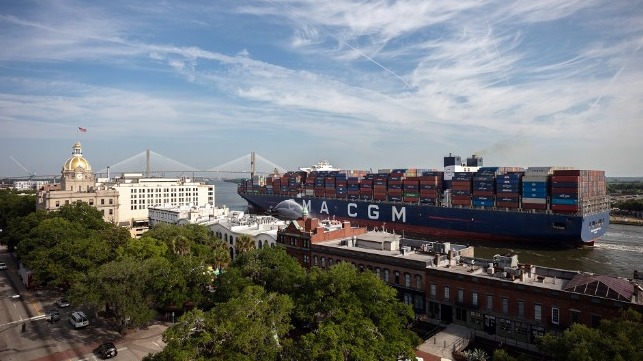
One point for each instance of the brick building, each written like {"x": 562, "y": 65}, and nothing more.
{"x": 446, "y": 283}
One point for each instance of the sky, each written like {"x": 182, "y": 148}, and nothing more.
{"x": 362, "y": 84}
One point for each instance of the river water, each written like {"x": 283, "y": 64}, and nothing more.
{"x": 617, "y": 253}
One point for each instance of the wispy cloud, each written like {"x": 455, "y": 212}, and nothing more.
{"x": 465, "y": 74}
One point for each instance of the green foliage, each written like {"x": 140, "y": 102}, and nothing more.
{"x": 271, "y": 268}
{"x": 355, "y": 315}
{"x": 13, "y": 205}
{"x": 618, "y": 339}
{"x": 244, "y": 243}
{"x": 633, "y": 205}
{"x": 623, "y": 187}
{"x": 122, "y": 286}
{"x": 249, "y": 327}
{"x": 502, "y": 355}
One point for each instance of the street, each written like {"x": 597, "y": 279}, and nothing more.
{"x": 25, "y": 334}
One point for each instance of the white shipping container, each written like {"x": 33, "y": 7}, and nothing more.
{"x": 535, "y": 200}
{"x": 534, "y": 178}
{"x": 544, "y": 170}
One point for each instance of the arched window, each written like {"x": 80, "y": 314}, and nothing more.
{"x": 407, "y": 280}
{"x": 418, "y": 282}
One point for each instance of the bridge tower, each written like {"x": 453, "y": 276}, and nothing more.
{"x": 252, "y": 165}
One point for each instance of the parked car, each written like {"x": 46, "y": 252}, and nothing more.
{"x": 62, "y": 303}
{"x": 3, "y": 266}
{"x": 107, "y": 350}
{"x": 52, "y": 315}
{"x": 78, "y": 319}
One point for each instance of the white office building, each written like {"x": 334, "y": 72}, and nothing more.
{"x": 190, "y": 214}
{"x": 136, "y": 194}
{"x": 263, "y": 229}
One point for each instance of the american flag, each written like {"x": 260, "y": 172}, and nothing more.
{"x": 82, "y": 129}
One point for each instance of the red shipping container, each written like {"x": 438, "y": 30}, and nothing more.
{"x": 534, "y": 206}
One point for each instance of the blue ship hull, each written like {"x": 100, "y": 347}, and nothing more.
{"x": 468, "y": 224}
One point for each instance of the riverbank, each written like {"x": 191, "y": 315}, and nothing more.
{"x": 626, "y": 220}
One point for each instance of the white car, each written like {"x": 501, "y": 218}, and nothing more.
{"x": 3, "y": 266}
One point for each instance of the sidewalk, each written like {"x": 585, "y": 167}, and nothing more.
{"x": 442, "y": 344}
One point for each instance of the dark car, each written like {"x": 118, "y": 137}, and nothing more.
{"x": 52, "y": 315}
{"x": 107, "y": 350}
{"x": 62, "y": 303}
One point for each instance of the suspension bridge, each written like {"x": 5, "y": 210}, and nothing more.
{"x": 152, "y": 164}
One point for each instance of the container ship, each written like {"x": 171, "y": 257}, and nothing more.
{"x": 547, "y": 206}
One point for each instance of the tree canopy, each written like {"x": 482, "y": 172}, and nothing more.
{"x": 619, "y": 339}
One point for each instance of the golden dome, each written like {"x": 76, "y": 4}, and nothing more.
{"x": 77, "y": 161}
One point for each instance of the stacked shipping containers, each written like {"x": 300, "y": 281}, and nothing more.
{"x": 574, "y": 191}
{"x": 484, "y": 187}
{"x": 508, "y": 187}
{"x": 561, "y": 190}
{"x": 535, "y": 188}
{"x": 430, "y": 185}
{"x": 461, "y": 186}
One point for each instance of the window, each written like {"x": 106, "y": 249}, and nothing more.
{"x": 323, "y": 262}
{"x": 315, "y": 260}
{"x": 57, "y": 204}
{"x": 575, "y": 316}
{"x": 538, "y": 309}
{"x": 407, "y": 298}
{"x": 111, "y": 201}
{"x": 505, "y": 305}
{"x": 505, "y": 325}
{"x": 460, "y": 295}
{"x": 521, "y": 328}
{"x": 306, "y": 259}
{"x": 433, "y": 290}
{"x": 397, "y": 277}
{"x": 418, "y": 302}
{"x": 596, "y": 321}
{"x": 407, "y": 280}
{"x": 102, "y": 201}
{"x": 385, "y": 275}
{"x": 521, "y": 309}
{"x": 418, "y": 282}
{"x": 555, "y": 315}
{"x": 461, "y": 314}
{"x": 476, "y": 318}
{"x": 378, "y": 272}
{"x": 489, "y": 302}
{"x": 111, "y": 212}
{"x": 446, "y": 292}
{"x": 434, "y": 309}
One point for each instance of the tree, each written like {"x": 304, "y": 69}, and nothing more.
{"x": 271, "y": 268}
{"x": 353, "y": 316}
{"x": 244, "y": 243}
{"x": 250, "y": 327}
{"x": 618, "y": 339}
{"x": 13, "y": 205}
{"x": 120, "y": 287}
{"x": 83, "y": 213}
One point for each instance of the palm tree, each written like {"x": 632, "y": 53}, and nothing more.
{"x": 221, "y": 254}
{"x": 244, "y": 243}
{"x": 181, "y": 245}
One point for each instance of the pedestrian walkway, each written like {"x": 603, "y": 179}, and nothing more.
{"x": 443, "y": 343}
